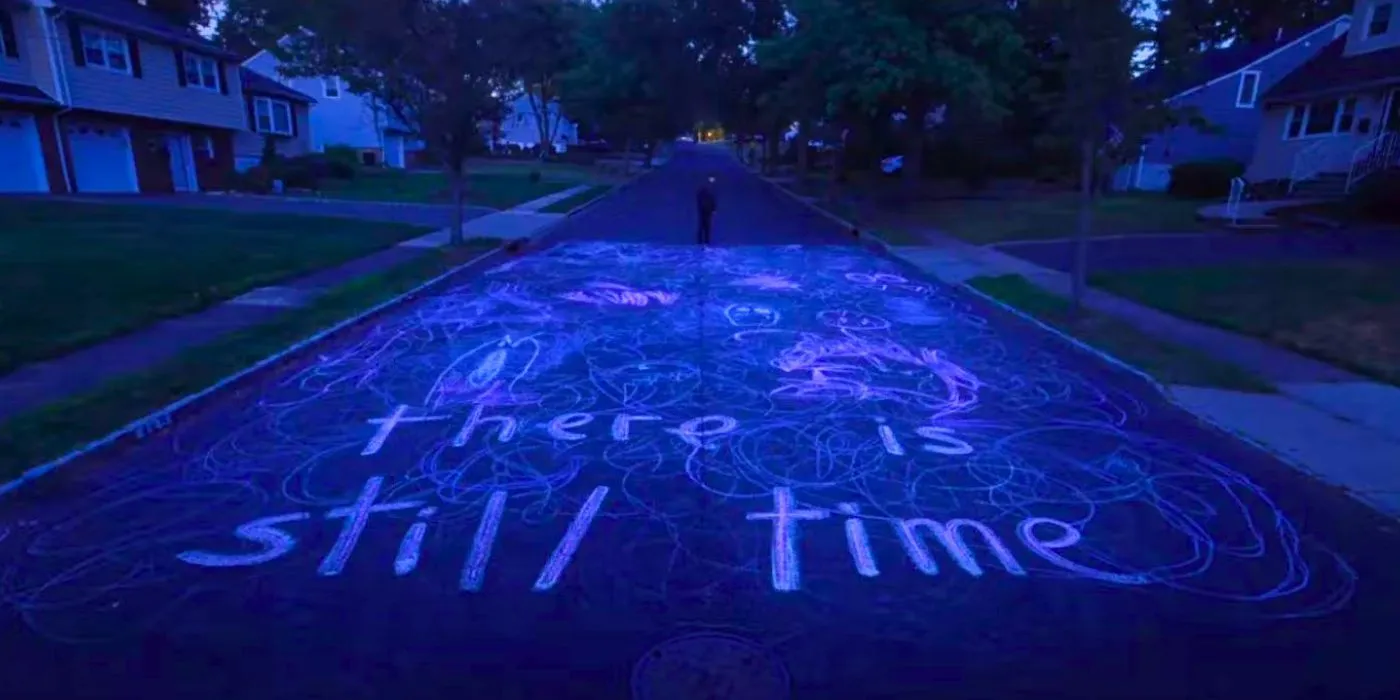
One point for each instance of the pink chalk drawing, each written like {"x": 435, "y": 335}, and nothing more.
{"x": 771, "y": 283}
{"x": 608, "y": 293}
{"x": 853, "y": 367}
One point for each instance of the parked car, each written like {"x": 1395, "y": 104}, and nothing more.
{"x": 892, "y": 165}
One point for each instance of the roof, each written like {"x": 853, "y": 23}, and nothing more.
{"x": 133, "y": 17}
{"x": 1220, "y": 63}
{"x": 1331, "y": 71}
{"x": 258, "y": 84}
{"x": 27, "y": 94}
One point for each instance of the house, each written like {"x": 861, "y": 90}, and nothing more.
{"x": 1225, "y": 91}
{"x": 275, "y": 112}
{"x": 340, "y": 117}
{"x": 519, "y": 126}
{"x": 108, "y": 96}
{"x": 1335, "y": 120}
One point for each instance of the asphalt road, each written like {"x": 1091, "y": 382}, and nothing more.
{"x": 629, "y": 467}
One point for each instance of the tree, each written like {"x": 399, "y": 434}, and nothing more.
{"x": 186, "y": 13}
{"x": 244, "y": 27}
{"x": 539, "y": 40}
{"x": 427, "y": 62}
{"x": 904, "y": 57}
{"x": 634, "y": 72}
{"x": 1260, "y": 21}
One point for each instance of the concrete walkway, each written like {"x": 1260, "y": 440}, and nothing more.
{"x": 1339, "y": 426}
{"x": 542, "y": 202}
{"x": 1343, "y": 428}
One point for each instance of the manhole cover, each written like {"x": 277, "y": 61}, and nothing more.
{"x": 710, "y": 666}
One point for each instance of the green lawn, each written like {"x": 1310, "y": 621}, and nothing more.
{"x": 499, "y": 190}
{"x": 1040, "y": 217}
{"x": 568, "y": 204}
{"x": 1167, "y": 362}
{"x": 74, "y": 274}
{"x": 35, "y": 437}
{"x": 1343, "y": 312}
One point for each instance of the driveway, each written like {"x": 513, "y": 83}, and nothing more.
{"x": 631, "y": 467}
{"x": 1136, "y": 252}
{"x": 432, "y": 215}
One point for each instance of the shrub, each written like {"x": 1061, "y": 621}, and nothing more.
{"x": 254, "y": 181}
{"x": 1205, "y": 179}
{"x": 344, "y": 155}
{"x": 1378, "y": 197}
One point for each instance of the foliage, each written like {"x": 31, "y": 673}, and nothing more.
{"x": 538, "y": 41}
{"x": 186, "y": 13}
{"x": 433, "y": 66}
{"x": 1205, "y": 179}
{"x": 633, "y": 73}
{"x": 1378, "y": 197}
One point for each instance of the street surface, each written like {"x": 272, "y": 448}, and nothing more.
{"x": 626, "y": 466}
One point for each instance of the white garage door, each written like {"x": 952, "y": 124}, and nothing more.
{"x": 102, "y": 158}
{"x": 393, "y": 151}
{"x": 20, "y": 152}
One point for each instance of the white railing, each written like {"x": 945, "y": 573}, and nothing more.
{"x": 1232, "y": 205}
{"x": 1377, "y": 154}
{"x": 1310, "y": 161}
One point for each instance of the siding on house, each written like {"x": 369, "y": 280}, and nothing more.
{"x": 1357, "y": 42}
{"x": 39, "y": 40}
{"x": 1274, "y": 156}
{"x": 19, "y": 70}
{"x": 1234, "y": 129}
{"x": 248, "y": 145}
{"x": 349, "y": 120}
{"x": 157, "y": 94}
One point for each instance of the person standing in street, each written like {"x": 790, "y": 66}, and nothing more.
{"x": 705, "y": 206}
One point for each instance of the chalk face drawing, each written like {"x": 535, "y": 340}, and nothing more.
{"x": 804, "y": 423}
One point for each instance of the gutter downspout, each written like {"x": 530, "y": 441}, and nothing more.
{"x": 49, "y": 23}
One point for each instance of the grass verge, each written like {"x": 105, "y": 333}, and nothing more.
{"x": 497, "y": 190}
{"x": 1167, "y": 362}
{"x": 568, "y": 204}
{"x": 1345, "y": 312}
{"x": 1041, "y": 217}
{"x": 73, "y": 274}
{"x": 43, "y": 434}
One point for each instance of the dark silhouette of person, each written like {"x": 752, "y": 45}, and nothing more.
{"x": 705, "y": 206}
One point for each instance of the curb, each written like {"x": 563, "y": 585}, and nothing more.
{"x": 617, "y": 189}
{"x": 875, "y": 244}
{"x": 162, "y": 418}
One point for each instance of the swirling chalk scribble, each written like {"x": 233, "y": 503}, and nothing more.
{"x": 700, "y": 411}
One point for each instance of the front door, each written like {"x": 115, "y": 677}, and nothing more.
{"x": 182, "y": 174}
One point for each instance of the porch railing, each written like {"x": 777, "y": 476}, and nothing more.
{"x": 1310, "y": 162}
{"x": 1232, "y": 205}
{"x": 1377, "y": 154}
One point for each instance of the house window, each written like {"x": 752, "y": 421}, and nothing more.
{"x": 1380, "y": 19}
{"x": 106, "y": 49}
{"x": 1346, "y": 117}
{"x": 272, "y": 116}
{"x": 331, "y": 87}
{"x": 1249, "y": 89}
{"x": 8, "y": 49}
{"x": 201, "y": 72}
{"x": 1321, "y": 118}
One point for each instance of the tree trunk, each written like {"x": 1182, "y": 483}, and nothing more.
{"x": 800, "y": 143}
{"x": 1086, "y": 221}
{"x": 627, "y": 156}
{"x": 914, "y": 145}
{"x": 455, "y": 174}
{"x": 650, "y": 151}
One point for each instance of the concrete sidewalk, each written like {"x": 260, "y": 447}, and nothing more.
{"x": 1342, "y": 428}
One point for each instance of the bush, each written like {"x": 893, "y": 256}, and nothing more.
{"x": 254, "y": 181}
{"x": 345, "y": 156}
{"x": 1378, "y": 197}
{"x": 1205, "y": 179}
